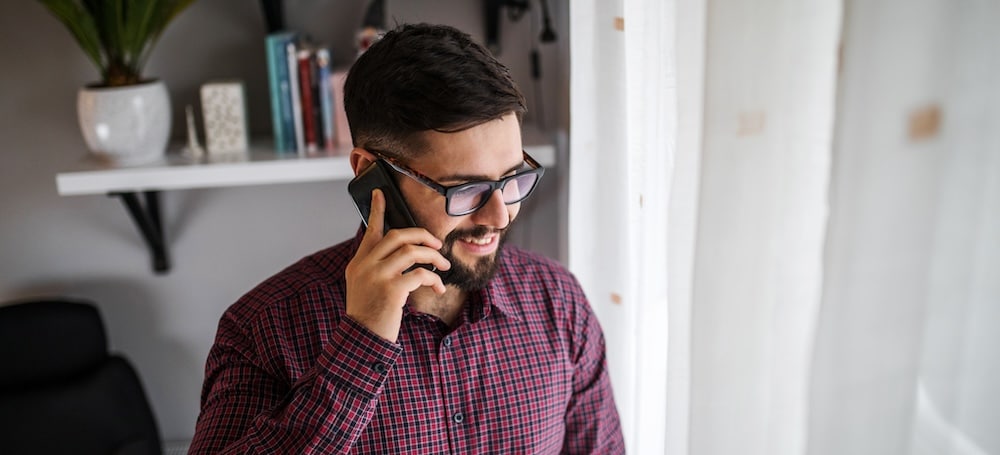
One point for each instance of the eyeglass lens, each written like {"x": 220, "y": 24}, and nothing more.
{"x": 475, "y": 195}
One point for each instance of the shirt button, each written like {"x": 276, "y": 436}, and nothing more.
{"x": 447, "y": 342}
{"x": 458, "y": 417}
{"x": 379, "y": 367}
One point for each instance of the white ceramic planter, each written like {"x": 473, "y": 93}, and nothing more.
{"x": 126, "y": 125}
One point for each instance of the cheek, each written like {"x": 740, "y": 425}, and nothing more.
{"x": 433, "y": 218}
{"x": 513, "y": 210}
{"x": 427, "y": 208}
{"x": 444, "y": 227}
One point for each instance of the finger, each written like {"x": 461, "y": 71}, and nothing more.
{"x": 376, "y": 215}
{"x": 373, "y": 233}
{"x": 408, "y": 255}
{"x": 398, "y": 238}
{"x": 417, "y": 236}
{"x": 421, "y": 277}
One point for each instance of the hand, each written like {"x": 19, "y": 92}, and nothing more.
{"x": 377, "y": 288}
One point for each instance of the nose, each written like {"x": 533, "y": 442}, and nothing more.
{"x": 495, "y": 213}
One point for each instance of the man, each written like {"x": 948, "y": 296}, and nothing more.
{"x": 355, "y": 350}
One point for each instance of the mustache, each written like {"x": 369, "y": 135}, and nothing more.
{"x": 477, "y": 231}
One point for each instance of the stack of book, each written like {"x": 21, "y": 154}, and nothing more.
{"x": 307, "y": 109}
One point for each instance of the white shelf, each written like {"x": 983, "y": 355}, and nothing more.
{"x": 259, "y": 166}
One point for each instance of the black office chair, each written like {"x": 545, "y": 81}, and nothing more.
{"x": 60, "y": 389}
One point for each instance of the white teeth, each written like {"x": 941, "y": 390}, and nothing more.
{"x": 484, "y": 241}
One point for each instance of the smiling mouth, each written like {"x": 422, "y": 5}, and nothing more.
{"x": 476, "y": 241}
{"x": 481, "y": 241}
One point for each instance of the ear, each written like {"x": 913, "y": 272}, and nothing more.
{"x": 361, "y": 159}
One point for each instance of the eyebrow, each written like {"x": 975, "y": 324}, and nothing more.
{"x": 472, "y": 178}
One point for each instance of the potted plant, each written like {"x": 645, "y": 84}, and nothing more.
{"x": 124, "y": 117}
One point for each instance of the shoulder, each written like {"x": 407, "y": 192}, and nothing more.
{"x": 546, "y": 296}
{"x": 283, "y": 322}
{"x": 539, "y": 288}
{"x": 532, "y": 272}
{"x": 316, "y": 280}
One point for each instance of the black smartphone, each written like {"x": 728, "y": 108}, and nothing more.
{"x": 379, "y": 175}
{"x": 397, "y": 214}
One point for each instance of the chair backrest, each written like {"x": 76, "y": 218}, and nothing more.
{"x": 60, "y": 389}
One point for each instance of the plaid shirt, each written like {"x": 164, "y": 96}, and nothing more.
{"x": 524, "y": 371}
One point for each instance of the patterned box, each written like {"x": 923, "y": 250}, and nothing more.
{"x": 223, "y": 107}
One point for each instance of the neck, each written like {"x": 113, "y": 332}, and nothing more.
{"x": 448, "y": 307}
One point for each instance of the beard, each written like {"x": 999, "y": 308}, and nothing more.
{"x": 475, "y": 276}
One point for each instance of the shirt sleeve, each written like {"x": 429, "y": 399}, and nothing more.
{"x": 247, "y": 409}
{"x": 592, "y": 423}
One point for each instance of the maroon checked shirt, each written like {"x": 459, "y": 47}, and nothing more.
{"x": 523, "y": 372}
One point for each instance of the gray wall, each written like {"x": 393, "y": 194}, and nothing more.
{"x": 223, "y": 241}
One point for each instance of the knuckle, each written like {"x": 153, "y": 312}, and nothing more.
{"x": 410, "y": 249}
{"x": 428, "y": 275}
{"x": 393, "y": 235}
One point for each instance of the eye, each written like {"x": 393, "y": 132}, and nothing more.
{"x": 519, "y": 187}
{"x": 469, "y": 196}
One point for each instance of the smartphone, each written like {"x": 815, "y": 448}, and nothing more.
{"x": 379, "y": 175}
{"x": 397, "y": 214}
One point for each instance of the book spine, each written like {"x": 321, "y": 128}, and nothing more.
{"x": 306, "y": 90}
{"x": 274, "y": 89}
{"x": 293, "y": 78}
{"x": 325, "y": 97}
{"x": 288, "y": 113}
{"x": 280, "y": 91}
{"x": 317, "y": 105}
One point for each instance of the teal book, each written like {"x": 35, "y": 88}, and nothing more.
{"x": 280, "y": 88}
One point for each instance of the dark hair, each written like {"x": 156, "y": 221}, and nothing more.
{"x": 421, "y": 77}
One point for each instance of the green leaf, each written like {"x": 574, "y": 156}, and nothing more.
{"x": 81, "y": 25}
{"x": 139, "y": 18}
{"x": 165, "y": 13}
{"x": 117, "y": 35}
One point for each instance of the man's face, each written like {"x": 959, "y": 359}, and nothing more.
{"x": 471, "y": 242}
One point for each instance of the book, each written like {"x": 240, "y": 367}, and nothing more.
{"x": 325, "y": 97}
{"x": 308, "y": 106}
{"x": 293, "y": 78}
{"x": 317, "y": 102}
{"x": 282, "y": 123}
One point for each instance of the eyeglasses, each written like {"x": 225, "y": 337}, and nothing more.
{"x": 468, "y": 197}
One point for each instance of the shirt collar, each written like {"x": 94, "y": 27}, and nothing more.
{"x": 498, "y": 294}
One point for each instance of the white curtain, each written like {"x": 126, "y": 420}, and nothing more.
{"x": 621, "y": 153}
{"x": 787, "y": 216}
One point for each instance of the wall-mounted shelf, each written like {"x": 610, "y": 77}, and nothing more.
{"x": 259, "y": 166}
{"x": 178, "y": 172}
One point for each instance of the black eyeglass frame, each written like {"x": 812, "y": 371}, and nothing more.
{"x": 448, "y": 191}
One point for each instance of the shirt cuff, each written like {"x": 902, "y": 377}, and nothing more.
{"x": 358, "y": 359}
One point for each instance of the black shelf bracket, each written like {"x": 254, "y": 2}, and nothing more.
{"x": 146, "y": 216}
